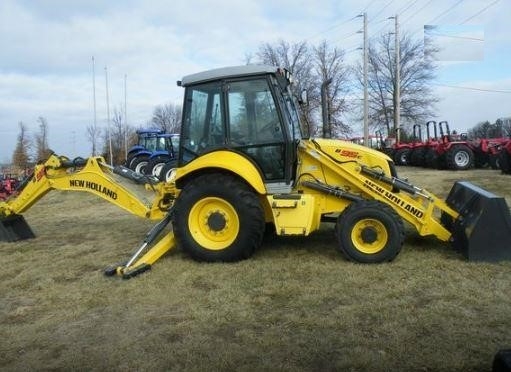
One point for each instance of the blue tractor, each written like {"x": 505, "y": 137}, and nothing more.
{"x": 152, "y": 151}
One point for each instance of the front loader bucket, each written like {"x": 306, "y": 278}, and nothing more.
{"x": 482, "y": 232}
{"x": 14, "y": 227}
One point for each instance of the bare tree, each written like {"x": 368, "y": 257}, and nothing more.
{"x": 485, "y": 129}
{"x": 167, "y": 117}
{"x": 41, "y": 140}
{"x": 503, "y": 127}
{"x": 297, "y": 59}
{"x": 20, "y": 157}
{"x": 93, "y": 133}
{"x": 118, "y": 133}
{"x": 417, "y": 70}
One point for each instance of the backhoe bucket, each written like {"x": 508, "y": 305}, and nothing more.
{"x": 13, "y": 228}
{"x": 482, "y": 232}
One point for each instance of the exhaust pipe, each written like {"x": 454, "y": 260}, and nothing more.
{"x": 482, "y": 232}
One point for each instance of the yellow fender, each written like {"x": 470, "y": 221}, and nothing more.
{"x": 227, "y": 160}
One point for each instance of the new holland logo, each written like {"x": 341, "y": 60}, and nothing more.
{"x": 394, "y": 199}
{"x": 82, "y": 184}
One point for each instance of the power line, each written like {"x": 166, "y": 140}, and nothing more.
{"x": 332, "y": 27}
{"x": 445, "y": 12}
{"x": 368, "y": 6}
{"x": 472, "y": 88}
{"x": 479, "y": 12}
{"x": 406, "y": 7}
{"x": 457, "y": 37}
{"x": 382, "y": 9}
{"x": 418, "y": 11}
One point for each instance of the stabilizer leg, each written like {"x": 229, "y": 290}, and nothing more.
{"x": 136, "y": 265}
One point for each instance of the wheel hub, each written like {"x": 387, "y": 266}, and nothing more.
{"x": 462, "y": 159}
{"x": 216, "y": 221}
{"x": 369, "y": 235}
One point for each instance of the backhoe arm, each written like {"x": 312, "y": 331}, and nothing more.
{"x": 91, "y": 175}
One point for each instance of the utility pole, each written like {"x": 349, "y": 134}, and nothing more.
{"x": 108, "y": 120}
{"x": 397, "y": 89}
{"x": 125, "y": 120}
{"x": 366, "y": 121}
{"x": 94, "y": 131}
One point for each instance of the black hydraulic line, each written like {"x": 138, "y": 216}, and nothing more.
{"x": 396, "y": 182}
{"x": 134, "y": 176}
{"x": 335, "y": 191}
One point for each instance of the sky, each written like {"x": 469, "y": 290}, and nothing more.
{"x": 143, "y": 47}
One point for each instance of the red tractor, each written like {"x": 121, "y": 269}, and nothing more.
{"x": 8, "y": 185}
{"x": 416, "y": 146}
{"x": 452, "y": 151}
{"x": 404, "y": 151}
{"x": 420, "y": 150}
{"x": 494, "y": 149}
{"x": 504, "y": 157}
{"x": 486, "y": 151}
{"x": 430, "y": 157}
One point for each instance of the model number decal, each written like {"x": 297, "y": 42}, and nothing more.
{"x": 394, "y": 199}
{"x": 40, "y": 174}
{"x": 347, "y": 153}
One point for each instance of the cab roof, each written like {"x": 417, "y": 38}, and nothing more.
{"x": 227, "y": 72}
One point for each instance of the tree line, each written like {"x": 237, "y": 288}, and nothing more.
{"x": 321, "y": 70}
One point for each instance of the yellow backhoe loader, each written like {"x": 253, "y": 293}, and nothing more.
{"x": 244, "y": 164}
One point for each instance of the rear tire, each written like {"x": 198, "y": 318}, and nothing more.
{"x": 369, "y": 231}
{"x": 156, "y": 164}
{"x": 218, "y": 218}
{"x": 167, "y": 170}
{"x": 417, "y": 156}
{"x": 459, "y": 157}
{"x": 139, "y": 164}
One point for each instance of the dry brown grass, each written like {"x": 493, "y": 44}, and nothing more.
{"x": 296, "y": 305}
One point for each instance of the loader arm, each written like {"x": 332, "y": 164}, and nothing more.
{"x": 370, "y": 177}
{"x": 476, "y": 222}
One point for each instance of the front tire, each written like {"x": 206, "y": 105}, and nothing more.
{"x": 218, "y": 218}
{"x": 369, "y": 231}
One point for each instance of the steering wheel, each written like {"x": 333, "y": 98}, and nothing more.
{"x": 271, "y": 125}
{"x": 269, "y": 130}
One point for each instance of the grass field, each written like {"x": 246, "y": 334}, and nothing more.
{"x": 297, "y": 305}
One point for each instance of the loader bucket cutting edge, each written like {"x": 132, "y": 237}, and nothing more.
{"x": 482, "y": 232}
{"x": 13, "y": 228}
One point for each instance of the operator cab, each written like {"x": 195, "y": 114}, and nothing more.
{"x": 247, "y": 109}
